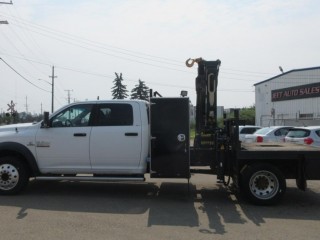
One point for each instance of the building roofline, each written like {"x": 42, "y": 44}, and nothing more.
{"x": 280, "y": 75}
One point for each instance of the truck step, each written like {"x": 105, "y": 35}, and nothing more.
{"x": 201, "y": 171}
{"x": 93, "y": 178}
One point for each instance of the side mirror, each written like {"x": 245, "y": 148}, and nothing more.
{"x": 45, "y": 122}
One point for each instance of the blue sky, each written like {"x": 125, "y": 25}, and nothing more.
{"x": 88, "y": 41}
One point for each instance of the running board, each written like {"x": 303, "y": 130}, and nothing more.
{"x": 91, "y": 179}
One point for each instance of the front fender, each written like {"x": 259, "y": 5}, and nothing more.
{"x": 7, "y": 148}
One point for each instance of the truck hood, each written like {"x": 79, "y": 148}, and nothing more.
{"x": 15, "y": 127}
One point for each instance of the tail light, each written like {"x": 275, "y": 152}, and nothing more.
{"x": 259, "y": 139}
{"x": 308, "y": 141}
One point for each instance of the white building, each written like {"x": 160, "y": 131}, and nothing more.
{"x": 291, "y": 98}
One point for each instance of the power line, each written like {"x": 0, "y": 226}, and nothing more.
{"x": 103, "y": 46}
{"x": 77, "y": 39}
{"x": 18, "y": 51}
{"x": 27, "y": 47}
{"x": 149, "y": 82}
{"x": 247, "y": 73}
{"x": 302, "y": 80}
{"x": 23, "y": 76}
{"x": 34, "y": 61}
{"x": 28, "y": 34}
{"x": 26, "y": 59}
{"x": 110, "y": 54}
{"x": 88, "y": 41}
{"x": 100, "y": 74}
{"x": 155, "y": 83}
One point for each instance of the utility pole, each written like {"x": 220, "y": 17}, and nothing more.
{"x": 52, "y": 92}
{"x": 69, "y": 90}
{"x": 26, "y": 104}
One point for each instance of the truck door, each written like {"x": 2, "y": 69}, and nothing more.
{"x": 65, "y": 145}
{"x": 115, "y": 144}
{"x": 170, "y": 156}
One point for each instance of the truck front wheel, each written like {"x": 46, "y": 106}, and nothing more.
{"x": 13, "y": 175}
{"x": 262, "y": 184}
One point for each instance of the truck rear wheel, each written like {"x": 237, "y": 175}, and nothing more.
{"x": 13, "y": 175}
{"x": 262, "y": 184}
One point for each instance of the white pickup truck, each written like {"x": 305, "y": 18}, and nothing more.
{"x": 121, "y": 140}
{"x": 108, "y": 139}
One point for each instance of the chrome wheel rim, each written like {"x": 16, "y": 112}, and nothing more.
{"x": 264, "y": 185}
{"x": 9, "y": 176}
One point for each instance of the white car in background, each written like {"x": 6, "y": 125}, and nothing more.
{"x": 268, "y": 134}
{"x": 247, "y": 129}
{"x": 304, "y": 135}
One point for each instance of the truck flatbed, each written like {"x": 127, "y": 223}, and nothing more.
{"x": 277, "y": 151}
{"x": 294, "y": 160}
{"x": 276, "y": 147}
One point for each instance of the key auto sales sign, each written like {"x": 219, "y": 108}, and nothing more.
{"x": 298, "y": 92}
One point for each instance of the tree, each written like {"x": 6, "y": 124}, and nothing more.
{"x": 140, "y": 91}
{"x": 119, "y": 91}
{"x": 248, "y": 114}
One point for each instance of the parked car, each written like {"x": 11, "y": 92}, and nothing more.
{"x": 268, "y": 134}
{"x": 247, "y": 129}
{"x": 304, "y": 135}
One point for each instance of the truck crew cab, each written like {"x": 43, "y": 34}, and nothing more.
{"x": 100, "y": 137}
{"x": 122, "y": 140}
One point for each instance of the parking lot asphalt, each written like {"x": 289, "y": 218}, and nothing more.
{"x": 156, "y": 209}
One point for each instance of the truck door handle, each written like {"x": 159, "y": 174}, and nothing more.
{"x": 79, "y": 134}
{"x": 131, "y": 134}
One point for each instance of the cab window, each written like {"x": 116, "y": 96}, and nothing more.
{"x": 117, "y": 114}
{"x": 74, "y": 116}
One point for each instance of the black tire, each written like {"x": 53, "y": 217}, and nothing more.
{"x": 262, "y": 184}
{"x": 14, "y": 175}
